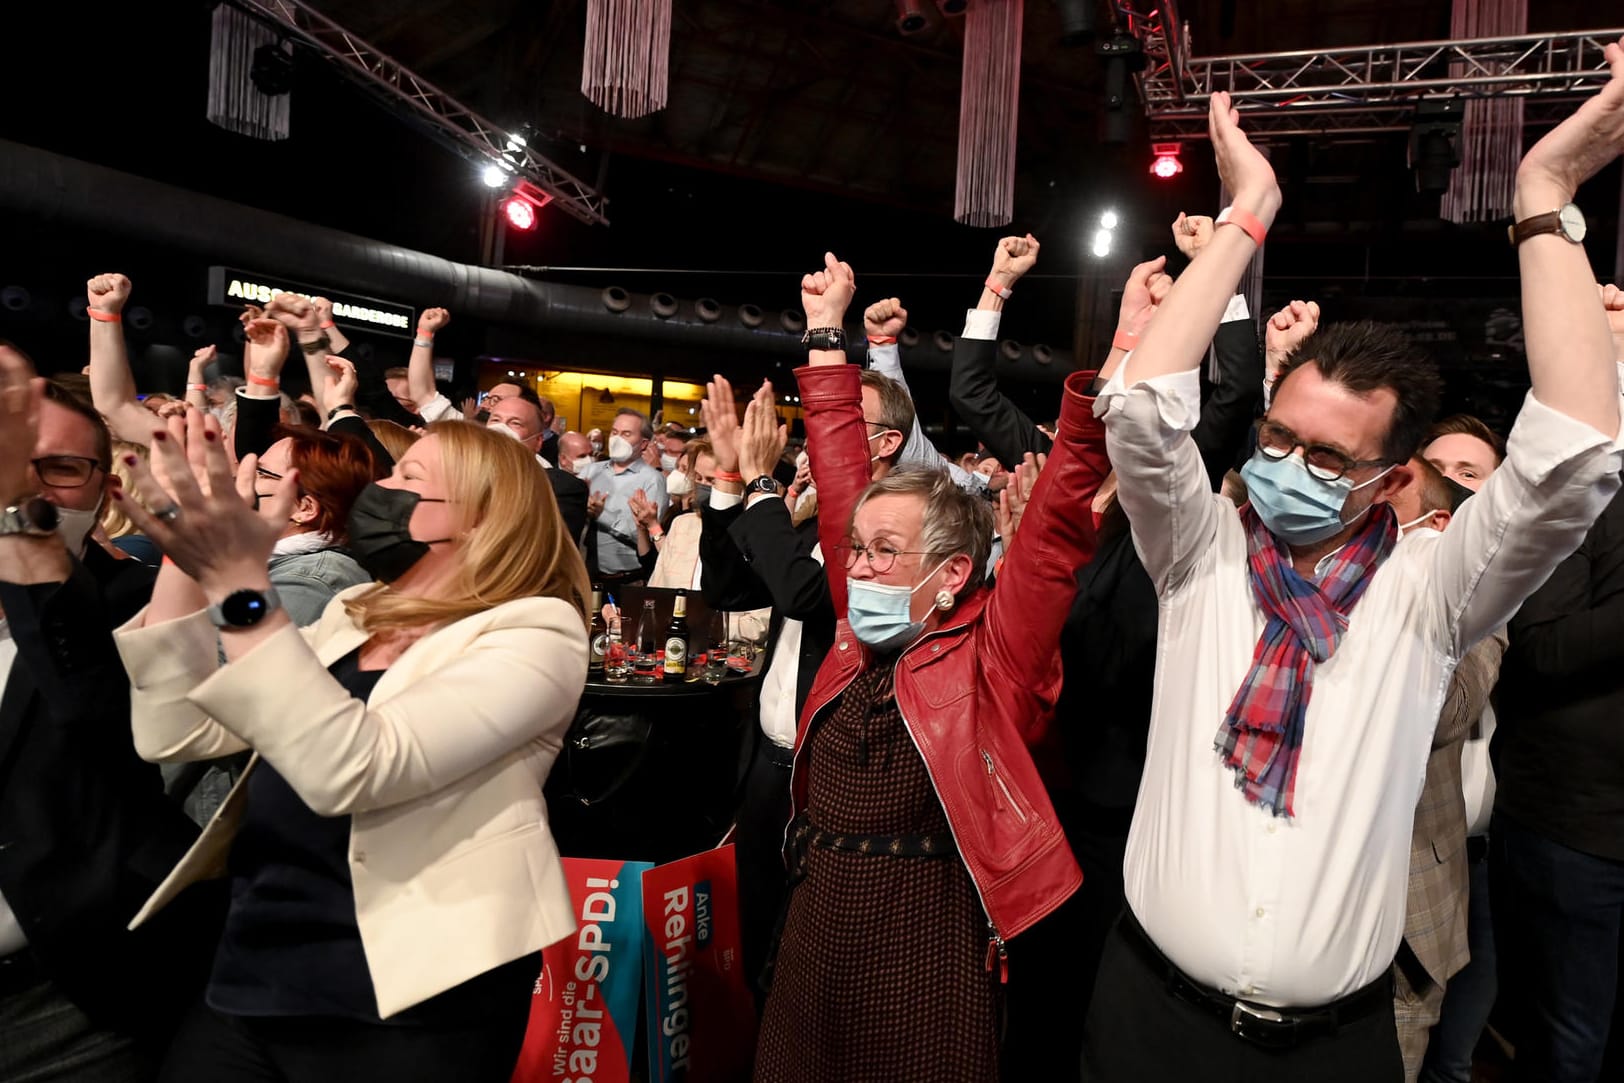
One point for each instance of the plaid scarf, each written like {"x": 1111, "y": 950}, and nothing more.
{"x": 1262, "y": 734}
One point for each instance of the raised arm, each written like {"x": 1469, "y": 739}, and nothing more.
{"x": 996, "y": 421}
{"x": 431, "y": 405}
{"x": 259, "y": 401}
{"x": 112, "y": 386}
{"x": 324, "y": 320}
{"x": 837, "y": 440}
{"x": 1562, "y": 461}
{"x": 197, "y": 377}
{"x": 1153, "y": 402}
{"x": 299, "y": 317}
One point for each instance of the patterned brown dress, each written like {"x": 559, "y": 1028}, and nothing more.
{"x": 881, "y": 972}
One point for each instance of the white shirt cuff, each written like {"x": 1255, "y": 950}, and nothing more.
{"x": 981, "y": 323}
{"x": 439, "y": 408}
{"x": 1177, "y": 396}
{"x": 722, "y": 501}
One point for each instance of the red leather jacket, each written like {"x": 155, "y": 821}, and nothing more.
{"x": 977, "y": 691}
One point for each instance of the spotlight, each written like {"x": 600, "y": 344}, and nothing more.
{"x": 910, "y": 16}
{"x": 1122, "y": 55}
{"x": 520, "y": 213}
{"x": 1076, "y": 21}
{"x": 272, "y": 70}
{"x": 1435, "y": 144}
{"x": 1108, "y": 220}
{"x": 1102, "y": 243}
{"x": 493, "y": 176}
{"x": 1165, "y": 164}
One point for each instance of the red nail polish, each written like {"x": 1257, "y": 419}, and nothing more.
{"x": 118, "y": 495}
{"x": 131, "y": 460}
{"x": 160, "y": 436}
{"x": 210, "y": 435}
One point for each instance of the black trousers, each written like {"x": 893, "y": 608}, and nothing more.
{"x": 216, "y": 1048}
{"x": 758, "y": 851}
{"x": 1138, "y": 1032}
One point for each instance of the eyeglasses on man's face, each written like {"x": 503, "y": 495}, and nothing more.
{"x": 65, "y": 471}
{"x": 1323, "y": 461}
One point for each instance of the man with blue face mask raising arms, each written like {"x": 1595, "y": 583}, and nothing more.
{"x": 1305, "y": 650}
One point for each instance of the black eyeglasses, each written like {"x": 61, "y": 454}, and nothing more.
{"x": 1323, "y": 462}
{"x": 881, "y": 556}
{"x": 65, "y": 471}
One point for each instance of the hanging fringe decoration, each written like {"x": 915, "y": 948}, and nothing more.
{"x": 235, "y": 103}
{"x": 989, "y": 105}
{"x": 626, "y": 66}
{"x": 1491, "y": 130}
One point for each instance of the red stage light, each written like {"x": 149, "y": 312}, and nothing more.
{"x": 520, "y": 212}
{"x": 1166, "y": 164}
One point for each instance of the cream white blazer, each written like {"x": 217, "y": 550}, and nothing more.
{"x": 441, "y": 770}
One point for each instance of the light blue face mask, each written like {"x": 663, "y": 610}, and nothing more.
{"x": 880, "y": 615}
{"x": 1297, "y": 507}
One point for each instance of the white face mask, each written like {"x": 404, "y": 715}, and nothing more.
{"x": 497, "y": 426}
{"x": 580, "y": 465}
{"x": 678, "y": 484}
{"x": 668, "y": 463}
{"x": 74, "y": 526}
{"x": 1402, "y": 527}
{"x": 621, "y": 450}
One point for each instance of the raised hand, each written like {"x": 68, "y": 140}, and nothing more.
{"x": 108, "y": 293}
{"x": 1191, "y": 232}
{"x": 1147, "y": 285}
{"x": 1013, "y": 257}
{"x": 885, "y": 319}
{"x": 296, "y": 313}
{"x": 722, "y": 423}
{"x": 324, "y": 310}
{"x": 249, "y": 314}
{"x": 761, "y": 438}
{"x": 1612, "y": 299}
{"x": 1246, "y": 173}
{"x": 21, "y": 393}
{"x": 341, "y": 382}
{"x": 194, "y": 510}
{"x": 1575, "y": 150}
{"x": 1285, "y": 331}
{"x": 432, "y": 320}
{"x": 595, "y": 503}
{"x": 644, "y": 510}
{"x": 266, "y": 348}
{"x": 203, "y": 357}
{"x": 1013, "y": 499}
{"x": 826, "y": 294}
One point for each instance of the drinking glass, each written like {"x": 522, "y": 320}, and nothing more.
{"x": 616, "y": 663}
{"x": 716, "y": 653}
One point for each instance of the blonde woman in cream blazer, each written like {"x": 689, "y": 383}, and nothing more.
{"x": 475, "y": 656}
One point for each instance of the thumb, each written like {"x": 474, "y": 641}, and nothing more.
{"x": 829, "y": 261}
{"x": 245, "y": 477}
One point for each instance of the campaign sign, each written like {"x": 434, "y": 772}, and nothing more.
{"x": 700, "y": 1011}
{"x": 583, "y": 1017}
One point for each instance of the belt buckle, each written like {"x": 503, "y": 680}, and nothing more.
{"x": 1257, "y": 1024}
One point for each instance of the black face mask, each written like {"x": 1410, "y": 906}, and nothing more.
{"x": 702, "y": 494}
{"x": 380, "y": 527}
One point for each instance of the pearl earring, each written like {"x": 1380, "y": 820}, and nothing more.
{"x": 944, "y": 600}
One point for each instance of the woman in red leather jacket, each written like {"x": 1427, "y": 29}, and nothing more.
{"x": 923, "y": 837}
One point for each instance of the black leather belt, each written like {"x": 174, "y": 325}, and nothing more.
{"x": 1273, "y": 1028}
{"x": 19, "y": 971}
{"x": 777, "y": 755}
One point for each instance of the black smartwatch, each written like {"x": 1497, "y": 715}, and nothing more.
{"x": 766, "y": 483}
{"x": 824, "y": 338}
{"x": 245, "y": 608}
{"x": 339, "y": 409}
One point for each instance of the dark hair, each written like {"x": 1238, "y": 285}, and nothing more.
{"x": 333, "y": 468}
{"x": 1366, "y": 356}
{"x": 308, "y": 414}
{"x": 627, "y": 411}
{"x": 1467, "y": 425}
{"x": 896, "y": 408}
{"x": 59, "y": 391}
{"x": 1432, "y": 486}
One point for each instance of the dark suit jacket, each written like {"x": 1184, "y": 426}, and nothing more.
{"x": 571, "y": 494}
{"x": 86, "y": 833}
{"x": 757, "y": 558}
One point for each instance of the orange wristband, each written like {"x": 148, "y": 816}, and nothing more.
{"x": 999, "y": 291}
{"x": 882, "y": 340}
{"x": 328, "y": 323}
{"x": 1248, "y": 221}
{"x": 1124, "y": 340}
{"x": 103, "y": 317}
{"x": 728, "y": 475}
{"x": 260, "y": 381}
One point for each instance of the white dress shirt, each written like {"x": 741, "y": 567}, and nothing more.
{"x": 12, "y": 938}
{"x": 1302, "y": 911}
{"x": 917, "y": 448}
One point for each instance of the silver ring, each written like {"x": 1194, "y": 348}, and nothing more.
{"x": 169, "y": 514}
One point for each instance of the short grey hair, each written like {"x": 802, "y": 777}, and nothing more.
{"x": 954, "y": 521}
{"x": 627, "y": 411}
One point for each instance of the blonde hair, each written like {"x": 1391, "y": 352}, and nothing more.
{"x": 113, "y": 520}
{"x": 396, "y": 439}
{"x": 513, "y": 541}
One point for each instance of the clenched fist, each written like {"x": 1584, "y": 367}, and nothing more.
{"x": 297, "y": 314}
{"x": 107, "y": 293}
{"x": 1013, "y": 257}
{"x": 1285, "y": 331}
{"x": 432, "y": 320}
{"x": 826, "y": 294}
{"x": 1191, "y": 232}
{"x": 885, "y": 319}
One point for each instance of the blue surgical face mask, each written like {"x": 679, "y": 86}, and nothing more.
{"x": 880, "y": 615}
{"x": 1297, "y": 507}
